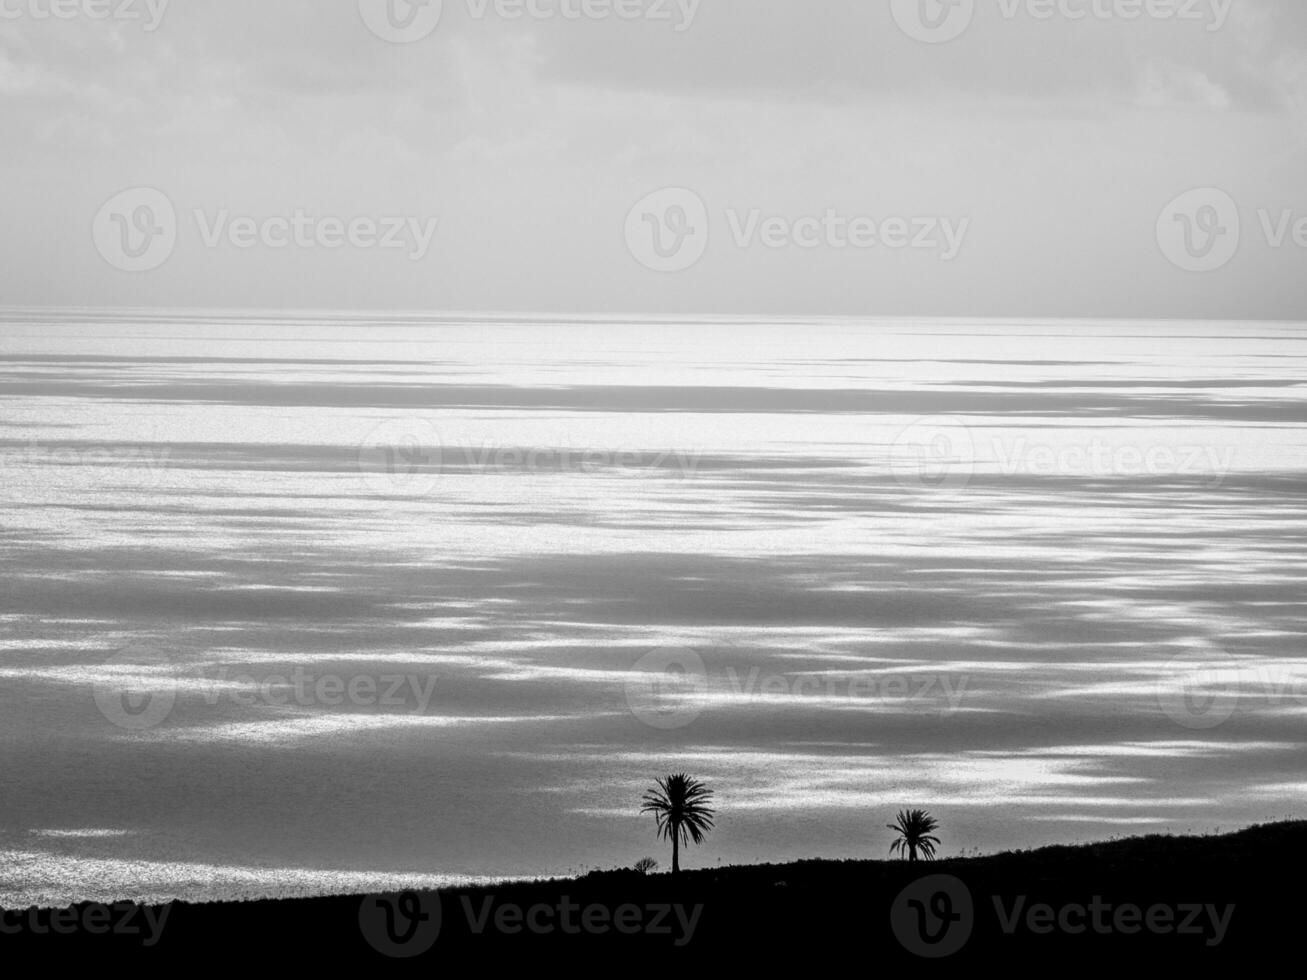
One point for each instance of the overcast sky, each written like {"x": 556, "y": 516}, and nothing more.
{"x": 1046, "y": 151}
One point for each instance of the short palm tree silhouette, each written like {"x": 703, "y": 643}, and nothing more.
{"x": 679, "y": 804}
{"x": 915, "y": 828}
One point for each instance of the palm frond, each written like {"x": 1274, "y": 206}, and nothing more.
{"x": 681, "y": 808}
{"x": 915, "y": 829}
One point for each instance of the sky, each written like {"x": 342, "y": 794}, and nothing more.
{"x": 841, "y": 158}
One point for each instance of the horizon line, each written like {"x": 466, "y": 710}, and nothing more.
{"x": 623, "y": 317}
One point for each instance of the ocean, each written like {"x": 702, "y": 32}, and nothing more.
{"x": 297, "y": 604}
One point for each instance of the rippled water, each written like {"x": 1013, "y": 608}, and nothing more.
{"x": 296, "y": 604}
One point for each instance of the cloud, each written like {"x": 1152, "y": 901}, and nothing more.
{"x": 532, "y": 139}
{"x": 845, "y": 52}
{"x": 1168, "y": 85}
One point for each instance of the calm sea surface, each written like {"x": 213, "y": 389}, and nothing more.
{"x": 299, "y": 604}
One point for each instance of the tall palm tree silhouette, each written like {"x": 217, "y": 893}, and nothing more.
{"x": 680, "y": 807}
{"x": 915, "y": 828}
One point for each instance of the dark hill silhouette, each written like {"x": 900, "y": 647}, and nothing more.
{"x": 1239, "y": 895}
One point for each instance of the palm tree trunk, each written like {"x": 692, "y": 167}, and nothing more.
{"x": 676, "y": 851}
{"x": 912, "y": 852}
